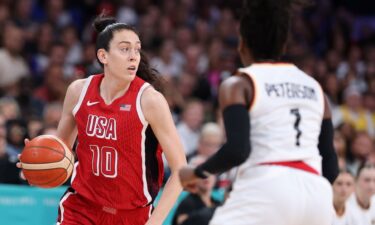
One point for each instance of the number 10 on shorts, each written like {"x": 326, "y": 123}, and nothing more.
{"x": 104, "y": 161}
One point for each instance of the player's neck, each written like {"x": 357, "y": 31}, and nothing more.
{"x": 364, "y": 203}
{"x": 339, "y": 208}
{"x": 111, "y": 89}
{"x": 13, "y": 54}
{"x": 247, "y": 60}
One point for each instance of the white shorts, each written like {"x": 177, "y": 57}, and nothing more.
{"x": 277, "y": 195}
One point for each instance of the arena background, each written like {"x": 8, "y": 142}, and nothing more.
{"x": 45, "y": 45}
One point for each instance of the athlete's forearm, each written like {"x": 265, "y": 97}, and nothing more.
{"x": 171, "y": 191}
{"x": 237, "y": 148}
{"x": 326, "y": 148}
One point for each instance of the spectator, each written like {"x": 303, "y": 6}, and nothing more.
{"x": 165, "y": 63}
{"x": 174, "y": 98}
{"x": 354, "y": 63}
{"x": 34, "y": 127}
{"x": 9, "y": 108}
{"x": 52, "y": 114}
{"x": 57, "y": 56}
{"x": 73, "y": 46}
{"x": 126, "y": 13}
{"x": 42, "y": 45}
{"x": 354, "y": 113}
{"x": 9, "y": 173}
{"x": 12, "y": 66}
{"x": 361, "y": 147}
{"x": 332, "y": 88}
{"x": 4, "y": 14}
{"x": 165, "y": 27}
{"x": 210, "y": 140}
{"x": 341, "y": 149}
{"x": 362, "y": 200}
{"x": 56, "y": 13}
{"x": 31, "y": 106}
{"x": 189, "y": 126}
{"x": 16, "y": 131}
{"x": 185, "y": 85}
{"x": 54, "y": 85}
{"x": 23, "y": 18}
{"x": 195, "y": 61}
{"x": 343, "y": 187}
{"x": 89, "y": 63}
{"x": 214, "y": 72}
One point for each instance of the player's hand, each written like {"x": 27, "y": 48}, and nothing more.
{"x": 26, "y": 141}
{"x": 188, "y": 179}
{"x": 19, "y": 164}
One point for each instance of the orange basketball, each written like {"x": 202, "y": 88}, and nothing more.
{"x": 46, "y": 161}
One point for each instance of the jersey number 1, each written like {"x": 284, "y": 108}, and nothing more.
{"x": 296, "y": 124}
{"x": 104, "y": 161}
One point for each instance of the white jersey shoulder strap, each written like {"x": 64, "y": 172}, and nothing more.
{"x": 82, "y": 95}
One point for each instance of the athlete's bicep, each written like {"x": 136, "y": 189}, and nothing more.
{"x": 157, "y": 113}
{"x": 327, "y": 109}
{"x": 235, "y": 97}
{"x": 67, "y": 129}
{"x": 235, "y": 90}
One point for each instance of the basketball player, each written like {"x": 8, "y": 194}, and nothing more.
{"x": 120, "y": 120}
{"x": 278, "y": 128}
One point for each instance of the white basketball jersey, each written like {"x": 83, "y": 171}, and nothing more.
{"x": 362, "y": 216}
{"x": 285, "y": 115}
{"x": 348, "y": 218}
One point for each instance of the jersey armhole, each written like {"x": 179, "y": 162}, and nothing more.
{"x": 82, "y": 95}
{"x": 253, "y": 88}
{"x": 138, "y": 103}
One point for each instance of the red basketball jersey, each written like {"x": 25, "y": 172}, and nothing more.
{"x": 119, "y": 159}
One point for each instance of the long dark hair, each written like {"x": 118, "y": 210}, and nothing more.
{"x": 264, "y": 26}
{"x": 106, "y": 27}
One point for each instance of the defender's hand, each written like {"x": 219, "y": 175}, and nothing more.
{"x": 188, "y": 179}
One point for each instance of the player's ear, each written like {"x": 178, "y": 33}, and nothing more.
{"x": 102, "y": 56}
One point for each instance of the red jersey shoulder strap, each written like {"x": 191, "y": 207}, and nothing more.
{"x": 83, "y": 92}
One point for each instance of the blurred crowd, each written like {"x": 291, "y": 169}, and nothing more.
{"x": 46, "y": 44}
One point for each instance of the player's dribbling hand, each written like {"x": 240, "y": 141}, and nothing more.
{"x": 19, "y": 164}
{"x": 188, "y": 179}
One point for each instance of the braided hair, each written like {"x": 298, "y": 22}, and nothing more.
{"x": 264, "y": 26}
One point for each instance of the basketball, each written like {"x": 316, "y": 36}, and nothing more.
{"x": 46, "y": 161}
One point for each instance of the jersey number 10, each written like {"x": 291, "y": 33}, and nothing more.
{"x": 104, "y": 161}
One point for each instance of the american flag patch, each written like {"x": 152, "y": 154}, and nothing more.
{"x": 125, "y": 107}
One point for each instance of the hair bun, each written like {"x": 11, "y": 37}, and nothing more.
{"x": 101, "y": 23}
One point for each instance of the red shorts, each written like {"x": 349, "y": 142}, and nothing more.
{"x": 75, "y": 209}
